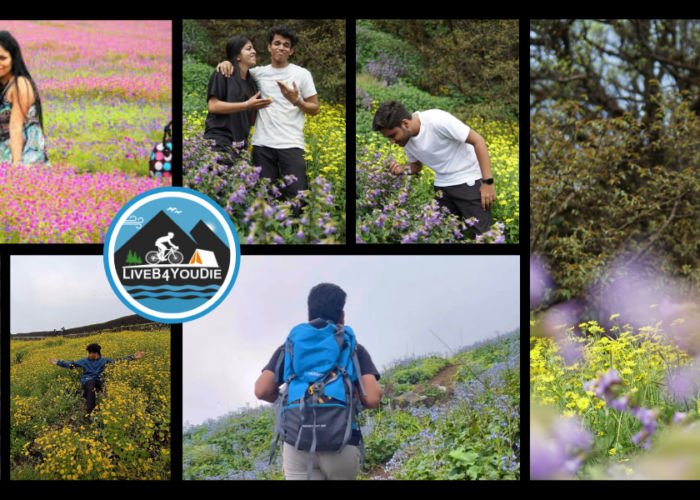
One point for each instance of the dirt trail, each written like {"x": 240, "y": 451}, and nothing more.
{"x": 444, "y": 378}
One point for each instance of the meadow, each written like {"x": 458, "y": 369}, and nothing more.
{"x": 258, "y": 209}
{"x": 106, "y": 91}
{"x": 128, "y": 434}
{"x": 455, "y": 417}
{"x": 403, "y": 209}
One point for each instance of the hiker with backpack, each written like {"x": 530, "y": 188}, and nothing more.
{"x": 319, "y": 380}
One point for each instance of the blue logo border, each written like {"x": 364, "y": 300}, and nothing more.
{"x": 125, "y": 208}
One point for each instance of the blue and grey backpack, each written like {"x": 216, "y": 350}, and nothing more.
{"x": 316, "y": 409}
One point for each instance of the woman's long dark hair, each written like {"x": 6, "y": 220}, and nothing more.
{"x": 8, "y": 42}
{"x": 233, "y": 47}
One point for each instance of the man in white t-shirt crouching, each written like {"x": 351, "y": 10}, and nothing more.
{"x": 456, "y": 154}
{"x": 278, "y": 138}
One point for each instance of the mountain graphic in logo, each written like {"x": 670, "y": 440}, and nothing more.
{"x": 185, "y": 266}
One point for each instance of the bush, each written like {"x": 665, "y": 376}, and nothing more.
{"x": 195, "y": 40}
{"x": 195, "y": 81}
{"x": 372, "y": 45}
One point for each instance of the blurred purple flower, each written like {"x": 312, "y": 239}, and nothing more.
{"x": 647, "y": 417}
{"x": 559, "y": 454}
{"x": 539, "y": 281}
{"x": 603, "y": 386}
{"x": 560, "y": 317}
{"x": 683, "y": 383}
{"x": 619, "y": 404}
{"x": 642, "y": 439}
{"x": 678, "y": 417}
{"x": 570, "y": 352}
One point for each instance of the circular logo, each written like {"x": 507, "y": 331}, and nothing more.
{"x": 171, "y": 254}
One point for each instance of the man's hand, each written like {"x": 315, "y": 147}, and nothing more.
{"x": 53, "y": 361}
{"x": 488, "y": 195}
{"x": 256, "y": 103}
{"x": 139, "y": 354}
{"x": 396, "y": 168}
{"x": 292, "y": 94}
{"x": 225, "y": 68}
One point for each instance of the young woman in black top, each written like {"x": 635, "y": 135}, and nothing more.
{"x": 233, "y": 101}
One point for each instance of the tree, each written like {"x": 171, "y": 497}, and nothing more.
{"x": 614, "y": 149}
{"x": 613, "y": 66}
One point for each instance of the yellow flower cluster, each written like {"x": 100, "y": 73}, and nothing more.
{"x": 324, "y": 135}
{"x": 642, "y": 359}
{"x": 128, "y": 434}
{"x": 503, "y": 144}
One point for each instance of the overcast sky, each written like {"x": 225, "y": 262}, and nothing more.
{"x": 55, "y": 291}
{"x": 393, "y": 304}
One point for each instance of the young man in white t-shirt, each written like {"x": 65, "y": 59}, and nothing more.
{"x": 456, "y": 154}
{"x": 278, "y": 139}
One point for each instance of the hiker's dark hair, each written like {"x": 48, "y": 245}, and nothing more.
{"x": 326, "y": 301}
{"x": 94, "y": 348}
{"x": 389, "y": 115}
{"x": 283, "y": 30}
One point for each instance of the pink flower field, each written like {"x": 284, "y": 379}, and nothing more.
{"x": 42, "y": 204}
{"x": 130, "y": 59}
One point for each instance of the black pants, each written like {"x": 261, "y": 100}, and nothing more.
{"x": 227, "y": 154}
{"x": 465, "y": 200}
{"x": 276, "y": 163}
{"x": 90, "y": 387}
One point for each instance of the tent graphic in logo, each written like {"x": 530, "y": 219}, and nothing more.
{"x": 179, "y": 263}
{"x": 204, "y": 258}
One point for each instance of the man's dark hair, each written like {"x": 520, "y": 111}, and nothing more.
{"x": 283, "y": 30}
{"x": 326, "y": 301}
{"x": 94, "y": 348}
{"x": 389, "y": 115}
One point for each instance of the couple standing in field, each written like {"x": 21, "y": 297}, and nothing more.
{"x": 273, "y": 98}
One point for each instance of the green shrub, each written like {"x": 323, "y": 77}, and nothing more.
{"x": 195, "y": 81}
{"x": 195, "y": 40}
{"x": 371, "y": 44}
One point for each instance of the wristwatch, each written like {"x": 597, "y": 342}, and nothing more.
{"x": 487, "y": 181}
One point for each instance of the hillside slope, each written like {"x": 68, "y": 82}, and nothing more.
{"x": 440, "y": 418}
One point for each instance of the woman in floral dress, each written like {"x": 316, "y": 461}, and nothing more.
{"x": 21, "y": 121}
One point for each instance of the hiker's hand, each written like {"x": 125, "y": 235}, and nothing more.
{"x": 53, "y": 361}
{"x": 225, "y": 68}
{"x": 139, "y": 354}
{"x": 292, "y": 94}
{"x": 256, "y": 103}
{"x": 488, "y": 195}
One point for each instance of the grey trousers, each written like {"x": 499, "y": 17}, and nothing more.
{"x": 327, "y": 464}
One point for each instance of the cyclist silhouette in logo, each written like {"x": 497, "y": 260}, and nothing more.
{"x": 165, "y": 254}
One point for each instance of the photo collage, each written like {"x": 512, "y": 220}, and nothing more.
{"x": 215, "y": 267}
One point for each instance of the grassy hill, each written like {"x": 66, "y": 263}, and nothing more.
{"x": 452, "y": 417}
{"x": 128, "y": 434}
